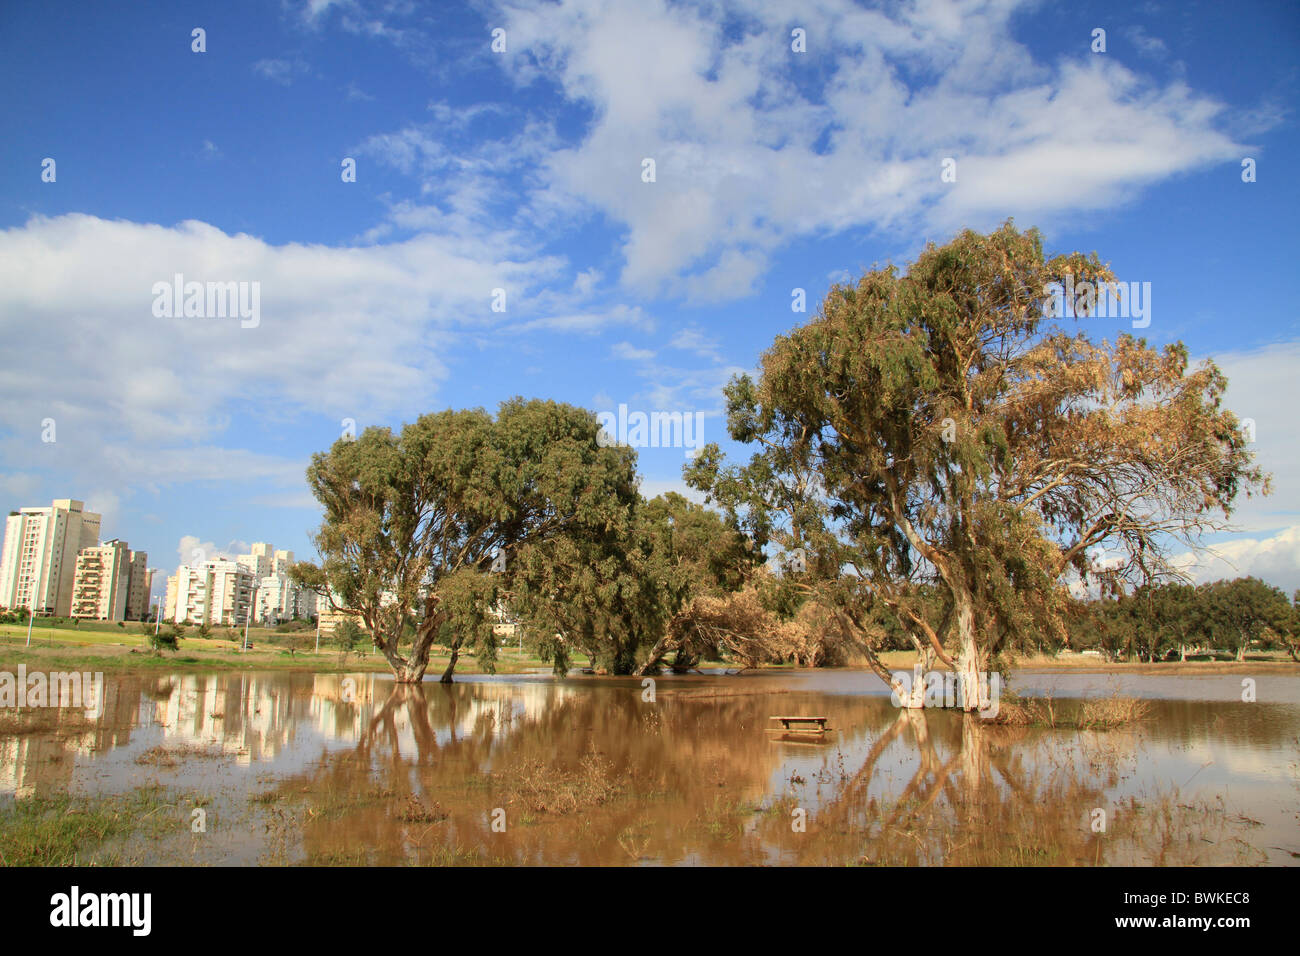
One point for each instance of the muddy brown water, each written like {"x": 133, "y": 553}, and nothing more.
{"x": 337, "y": 769}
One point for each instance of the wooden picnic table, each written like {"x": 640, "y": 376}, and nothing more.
{"x": 787, "y": 721}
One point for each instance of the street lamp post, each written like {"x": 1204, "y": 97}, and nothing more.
{"x": 31, "y": 618}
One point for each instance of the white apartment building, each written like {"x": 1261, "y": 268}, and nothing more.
{"x": 224, "y": 591}
{"x": 38, "y": 563}
{"x": 260, "y": 562}
{"x": 215, "y": 592}
{"x": 169, "y": 600}
{"x": 280, "y": 599}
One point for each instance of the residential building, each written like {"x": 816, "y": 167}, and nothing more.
{"x": 169, "y": 599}
{"x": 38, "y": 563}
{"x": 280, "y": 599}
{"x": 258, "y": 581}
{"x": 138, "y": 596}
{"x": 101, "y": 582}
{"x": 331, "y": 616}
{"x": 214, "y": 592}
{"x": 111, "y": 583}
{"x": 260, "y": 562}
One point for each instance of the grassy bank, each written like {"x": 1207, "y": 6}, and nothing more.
{"x": 102, "y": 646}
{"x": 60, "y": 649}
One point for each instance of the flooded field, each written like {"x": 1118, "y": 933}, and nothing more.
{"x": 284, "y": 768}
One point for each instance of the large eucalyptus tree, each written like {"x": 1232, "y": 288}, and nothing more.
{"x": 422, "y": 528}
{"x": 942, "y": 431}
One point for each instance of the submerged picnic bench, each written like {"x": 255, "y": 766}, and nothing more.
{"x": 800, "y": 722}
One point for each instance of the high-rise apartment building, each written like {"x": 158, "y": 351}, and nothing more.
{"x": 111, "y": 583}
{"x": 38, "y": 564}
{"x": 138, "y": 596}
{"x": 169, "y": 599}
{"x": 261, "y": 562}
{"x": 258, "y": 580}
{"x": 215, "y": 592}
{"x": 101, "y": 581}
{"x": 280, "y": 599}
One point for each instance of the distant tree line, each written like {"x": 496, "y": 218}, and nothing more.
{"x": 1174, "y": 621}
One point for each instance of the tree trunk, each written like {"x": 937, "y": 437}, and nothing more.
{"x": 924, "y": 661}
{"x": 657, "y": 654}
{"x": 412, "y": 672}
{"x": 968, "y": 663}
{"x": 451, "y": 665}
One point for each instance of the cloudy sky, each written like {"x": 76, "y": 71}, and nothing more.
{"x": 504, "y": 147}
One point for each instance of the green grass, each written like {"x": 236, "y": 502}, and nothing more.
{"x": 101, "y": 650}
{"x": 71, "y": 831}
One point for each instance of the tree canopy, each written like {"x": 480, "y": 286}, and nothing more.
{"x": 415, "y": 522}
{"x": 937, "y": 432}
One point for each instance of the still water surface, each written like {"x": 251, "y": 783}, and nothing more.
{"x": 335, "y": 769}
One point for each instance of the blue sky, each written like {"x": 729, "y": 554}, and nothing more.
{"x": 522, "y": 170}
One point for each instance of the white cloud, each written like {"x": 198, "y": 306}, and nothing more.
{"x": 755, "y": 145}
{"x": 313, "y": 10}
{"x": 142, "y": 401}
{"x": 192, "y": 550}
{"x": 1259, "y": 383}
{"x": 1147, "y": 44}
{"x": 1275, "y": 559}
{"x": 589, "y": 322}
{"x": 692, "y": 340}
{"x": 626, "y": 350}
{"x": 279, "y": 70}
{"x": 355, "y": 94}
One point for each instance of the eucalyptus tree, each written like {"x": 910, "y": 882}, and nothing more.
{"x": 944, "y": 428}
{"x": 422, "y": 528}
{"x": 1239, "y": 612}
{"x": 705, "y": 562}
{"x": 605, "y": 593}
{"x": 611, "y": 593}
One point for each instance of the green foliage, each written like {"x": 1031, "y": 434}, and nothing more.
{"x": 168, "y": 638}
{"x": 937, "y": 444}
{"x": 1238, "y": 613}
{"x": 347, "y": 635}
{"x": 1156, "y": 622}
{"x": 413, "y": 520}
